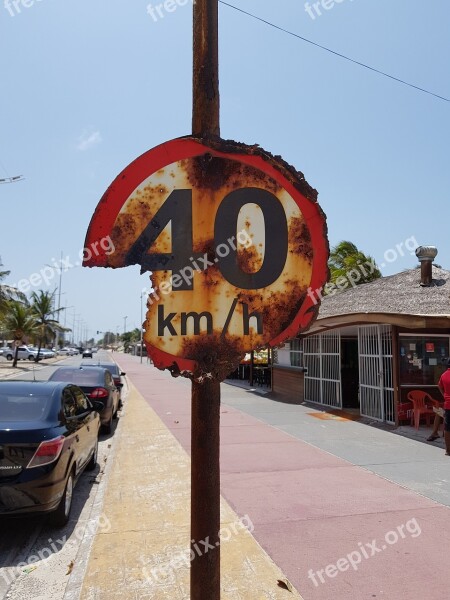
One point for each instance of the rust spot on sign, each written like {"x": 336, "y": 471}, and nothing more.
{"x": 207, "y": 172}
{"x": 300, "y": 238}
{"x": 249, "y": 259}
{"x": 214, "y": 355}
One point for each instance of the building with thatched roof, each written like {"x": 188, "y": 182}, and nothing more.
{"x": 373, "y": 343}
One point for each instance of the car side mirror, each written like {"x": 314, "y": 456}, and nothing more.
{"x": 122, "y": 374}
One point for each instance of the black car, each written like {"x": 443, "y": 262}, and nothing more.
{"x": 97, "y": 383}
{"x": 113, "y": 368}
{"x": 48, "y": 436}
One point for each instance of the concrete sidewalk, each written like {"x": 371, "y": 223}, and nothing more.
{"x": 332, "y": 502}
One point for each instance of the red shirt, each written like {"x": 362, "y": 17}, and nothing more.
{"x": 444, "y": 383}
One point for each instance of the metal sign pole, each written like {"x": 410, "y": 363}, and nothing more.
{"x": 205, "y": 421}
{"x": 206, "y": 105}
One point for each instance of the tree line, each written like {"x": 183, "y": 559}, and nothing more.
{"x": 23, "y": 318}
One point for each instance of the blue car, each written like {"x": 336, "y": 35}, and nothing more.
{"x": 48, "y": 436}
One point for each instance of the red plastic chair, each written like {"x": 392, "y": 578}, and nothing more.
{"x": 419, "y": 399}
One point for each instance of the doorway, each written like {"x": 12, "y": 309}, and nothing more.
{"x": 350, "y": 373}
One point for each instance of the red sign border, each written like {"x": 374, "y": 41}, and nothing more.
{"x": 178, "y": 149}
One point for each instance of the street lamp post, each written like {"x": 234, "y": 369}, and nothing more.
{"x": 142, "y": 329}
{"x": 65, "y": 313}
{"x": 59, "y": 295}
{"x": 64, "y": 308}
{"x": 73, "y": 327}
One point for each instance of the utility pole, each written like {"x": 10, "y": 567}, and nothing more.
{"x": 142, "y": 329}
{"x": 205, "y": 420}
{"x": 59, "y": 296}
{"x": 73, "y": 327}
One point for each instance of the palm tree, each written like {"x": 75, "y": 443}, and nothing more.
{"x": 20, "y": 322}
{"x": 350, "y": 263}
{"x": 43, "y": 311}
{"x": 7, "y": 292}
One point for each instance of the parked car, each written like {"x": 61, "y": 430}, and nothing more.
{"x": 48, "y": 436}
{"x": 67, "y": 351}
{"x": 4, "y": 350}
{"x": 43, "y": 352}
{"x": 87, "y": 353}
{"x": 97, "y": 383}
{"x": 23, "y": 353}
{"x": 113, "y": 368}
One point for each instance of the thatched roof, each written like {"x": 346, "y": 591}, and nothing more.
{"x": 391, "y": 296}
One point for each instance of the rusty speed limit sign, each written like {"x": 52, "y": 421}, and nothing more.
{"x": 234, "y": 239}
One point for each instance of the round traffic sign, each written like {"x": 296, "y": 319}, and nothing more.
{"x": 234, "y": 239}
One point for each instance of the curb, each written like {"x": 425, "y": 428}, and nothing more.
{"x": 75, "y": 582}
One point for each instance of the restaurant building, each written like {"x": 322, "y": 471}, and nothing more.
{"x": 372, "y": 344}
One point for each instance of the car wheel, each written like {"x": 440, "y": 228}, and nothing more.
{"x": 61, "y": 515}
{"x": 93, "y": 462}
{"x": 9, "y": 357}
{"x": 108, "y": 427}
{"x": 31, "y": 357}
{"x": 116, "y": 416}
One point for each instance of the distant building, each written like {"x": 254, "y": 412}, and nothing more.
{"x": 135, "y": 349}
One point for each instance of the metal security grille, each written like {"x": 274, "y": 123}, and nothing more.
{"x": 322, "y": 358}
{"x": 375, "y": 372}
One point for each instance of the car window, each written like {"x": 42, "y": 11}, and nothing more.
{"x": 112, "y": 368}
{"x": 109, "y": 379}
{"x": 23, "y": 407}
{"x": 80, "y": 401}
{"x": 69, "y": 404}
{"x": 78, "y": 376}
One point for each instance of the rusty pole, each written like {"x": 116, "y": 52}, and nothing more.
{"x": 205, "y": 420}
{"x": 206, "y": 105}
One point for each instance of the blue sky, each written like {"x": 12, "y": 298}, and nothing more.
{"x": 89, "y": 86}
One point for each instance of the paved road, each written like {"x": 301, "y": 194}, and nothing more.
{"x": 49, "y": 553}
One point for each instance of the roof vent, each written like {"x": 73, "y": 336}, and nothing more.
{"x": 426, "y": 255}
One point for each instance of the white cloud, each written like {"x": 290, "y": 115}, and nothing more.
{"x": 87, "y": 140}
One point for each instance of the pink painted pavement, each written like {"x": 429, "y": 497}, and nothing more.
{"x": 313, "y": 512}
